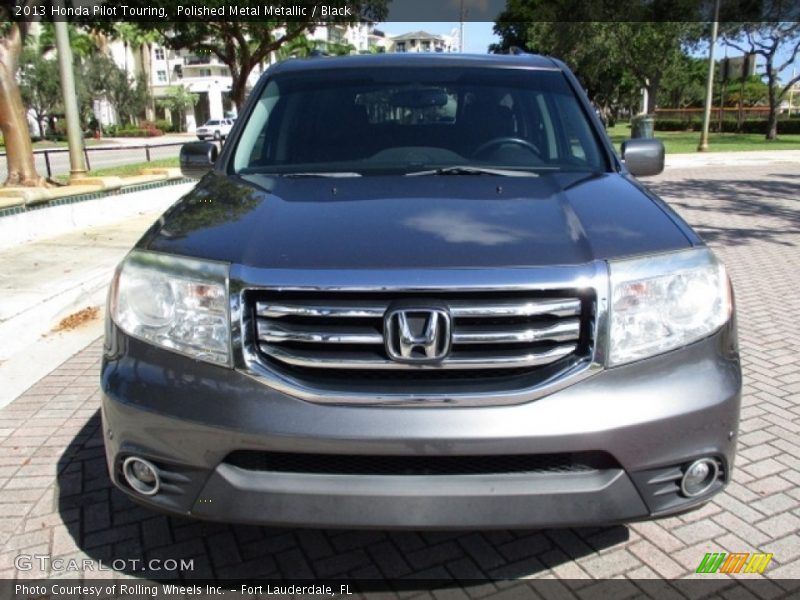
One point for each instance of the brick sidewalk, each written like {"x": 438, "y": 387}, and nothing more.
{"x": 56, "y": 498}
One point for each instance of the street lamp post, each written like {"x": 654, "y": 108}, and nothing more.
{"x": 703, "y": 146}
{"x": 77, "y": 166}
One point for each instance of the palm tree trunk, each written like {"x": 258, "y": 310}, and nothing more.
{"x": 13, "y": 119}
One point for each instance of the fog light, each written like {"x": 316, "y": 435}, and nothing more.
{"x": 141, "y": 475}
{"x": 699, "y": 477}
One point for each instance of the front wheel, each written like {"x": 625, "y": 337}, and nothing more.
{"x": 217, "y": 136}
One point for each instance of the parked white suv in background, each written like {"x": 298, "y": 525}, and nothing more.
{"x": 215, "y": 128}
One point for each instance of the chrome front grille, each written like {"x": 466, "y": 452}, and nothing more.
{"x": 493, "y": 335}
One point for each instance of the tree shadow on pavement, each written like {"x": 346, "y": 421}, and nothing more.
{"x": 111, "y": 528}
{"x": 735, "y": 212}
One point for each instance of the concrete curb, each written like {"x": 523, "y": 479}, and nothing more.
{"x": 33, "y": 225}
{"x": 23, "y": 196}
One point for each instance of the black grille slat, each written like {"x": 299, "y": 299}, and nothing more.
{"x": 337, "y": 464}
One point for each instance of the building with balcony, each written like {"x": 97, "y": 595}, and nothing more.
{"x": 201, "y": 74}
{"x": 422, "y": 41}
{"x": 209, "y": 78}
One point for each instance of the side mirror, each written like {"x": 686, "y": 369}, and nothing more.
{"x": 643, "y": 156}
{"x": 198, "y": 158}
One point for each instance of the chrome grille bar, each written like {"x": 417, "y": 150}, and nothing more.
{"x": 374, "y": 360}
{"x": 556, "y": 307}
{"x": 560, "y": 332}
{"x": 321, "y": 334}
{"x": 559, "y": 307}
{"x": 333, "y": 309}
{"x": 465, "y": 334}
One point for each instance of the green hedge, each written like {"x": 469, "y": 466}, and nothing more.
{"x": 164, "y": 125}
{"x": 785, "y": 126}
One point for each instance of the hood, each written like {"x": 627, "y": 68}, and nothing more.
{"x": 455, "y": 221}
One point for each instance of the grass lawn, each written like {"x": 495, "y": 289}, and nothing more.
{"x": 127, "y": 170}
{"x": 133, "y": 169}
{"x": 676, "y": 142}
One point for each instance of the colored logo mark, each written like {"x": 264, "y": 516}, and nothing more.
{"x": 743, "y": 562}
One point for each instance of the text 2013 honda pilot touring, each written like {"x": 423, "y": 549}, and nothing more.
{"x": 420, "y": 291}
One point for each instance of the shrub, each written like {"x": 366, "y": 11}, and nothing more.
{"x": 785, "y": 126}
{"x": 789, "y": 126}
{"x": 150, "y": 128}
{"x": 675, "y": 124}
{"x": 151, "y": 131}
{"x": 164, "y": 125}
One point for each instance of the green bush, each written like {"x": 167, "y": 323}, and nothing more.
{"x": 758, "y": 125}
{"x": 789, "y": 126}
{"x": 164, "y": 125}
{"x": 675, "y": 124}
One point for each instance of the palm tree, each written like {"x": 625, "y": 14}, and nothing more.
{"x": 83, "y": 43}
{"x": 141, "y": 41}
{"x": 299, "y": 47}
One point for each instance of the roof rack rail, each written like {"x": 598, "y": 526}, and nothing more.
{"x": 516, "y": 50}
{"x": 317, "y": 52}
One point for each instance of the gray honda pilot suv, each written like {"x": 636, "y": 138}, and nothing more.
{"x": 423, "y": 292}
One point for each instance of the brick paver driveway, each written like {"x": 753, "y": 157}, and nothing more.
{"x": 56, "y": 499}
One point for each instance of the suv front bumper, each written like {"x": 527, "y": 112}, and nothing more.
{"x": 652, "y": 417}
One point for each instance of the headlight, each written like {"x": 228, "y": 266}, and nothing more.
{"x": 174, "y": 302}
{"x": 659, "y": 303}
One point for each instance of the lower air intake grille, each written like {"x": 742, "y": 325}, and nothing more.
{"x": 338, "y": 464}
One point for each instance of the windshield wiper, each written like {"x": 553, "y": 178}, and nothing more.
{"x": 466, "y": 170}
{"x": 322, "y": 174}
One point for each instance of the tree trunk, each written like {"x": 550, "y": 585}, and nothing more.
{"x": 150, "y": 109}
{"x": 13, "y": 119}
{"x": 239, "y": 88}
{"x": 772, "y": 123}
{"x": 652, "y": 92}
{"x": 774, "y": 100}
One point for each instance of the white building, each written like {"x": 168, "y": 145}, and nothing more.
{"x": 357, "y": 36}
{"x": 204, "y": 75}
{"x": 208, "y": 77}
{"x": 422, "y": 41}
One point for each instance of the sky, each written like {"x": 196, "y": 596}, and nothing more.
{"x": 479, "y": 35}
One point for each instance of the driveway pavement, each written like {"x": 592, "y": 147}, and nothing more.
{"x": 46, "y": 278}
{"x": 56, "y": 499}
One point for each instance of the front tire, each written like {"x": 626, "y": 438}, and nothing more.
{"x": 217, "y": 136}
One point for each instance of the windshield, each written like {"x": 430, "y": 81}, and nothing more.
{"x": 410, "y": 121}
